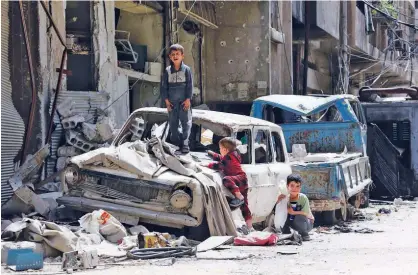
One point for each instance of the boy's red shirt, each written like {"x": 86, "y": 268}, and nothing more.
{"x": 230, "y": 164}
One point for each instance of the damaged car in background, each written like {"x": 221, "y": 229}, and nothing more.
{"x": 140, "y": 179}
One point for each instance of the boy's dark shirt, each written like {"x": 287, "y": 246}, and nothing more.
{"x": 177, "y": 86}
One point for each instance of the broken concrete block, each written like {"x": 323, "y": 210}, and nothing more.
{"x": 29, "y": 197}
{"x": 78, "y": 141}
{"x": 137, "y": 128}
{"x": 65, "y": 108}
{"x": 90, "y": 131}
{"x": 105, "y": 129}
{"x": 62, "y": 162}
{"x": 29, "y": 168}
{"x": 68, "y": 151}
{"x": 72, "y": 122}
{"x": 5, "y": 223}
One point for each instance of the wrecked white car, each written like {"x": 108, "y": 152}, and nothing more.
{"x": 139, "y": 178}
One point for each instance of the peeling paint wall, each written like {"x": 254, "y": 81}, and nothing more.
{"x": 237, "y": 53}
{"x": 50, "y": 52}
{"x": 281, "y": 54}
{"x": 190, "y": 43}
{"x": 145, "y": 29}
{"x": 110, "y": 80}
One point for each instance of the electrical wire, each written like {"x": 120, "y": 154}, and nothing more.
{"x": 285, "y": 53}
{"x": 390, "y": 16}
{"x": 161, "y": 252}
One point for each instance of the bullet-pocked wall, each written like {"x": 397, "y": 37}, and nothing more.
{"x": 145, "y": 29}
{"x": 237, "y": 53}
{"x": 190, "y": 42}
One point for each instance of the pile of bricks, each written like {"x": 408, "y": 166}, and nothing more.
{"x": 82, "y": 134}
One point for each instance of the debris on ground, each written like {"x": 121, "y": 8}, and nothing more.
{"x": 384, "y": 211}
{"x": 256, "y": 238}
{"x": 103, "y": 224}
{"x": 345, "y": 228}
{"x": 294, "y": 238}
{"x": 213, "y": 242}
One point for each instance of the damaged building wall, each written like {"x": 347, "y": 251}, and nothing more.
{"x": 237, "y": 53}
{"x": 145, "y": 29}
{"x": 50, "y": 53}
{"x": 281, "y": 53}
{"x": 106, "y": 61}
{"x": 190, "y": 42}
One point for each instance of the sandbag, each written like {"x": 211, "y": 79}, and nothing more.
{"x": 103, "y": 224}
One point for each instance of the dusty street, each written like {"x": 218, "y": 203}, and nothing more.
{"x": 393, "y": 251}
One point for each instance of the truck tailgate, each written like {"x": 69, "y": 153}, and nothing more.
{"x": 325, "y": 180}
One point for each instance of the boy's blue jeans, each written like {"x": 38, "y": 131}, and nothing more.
{"x": 299, "y": 223}
{"x": 176, "y": 116}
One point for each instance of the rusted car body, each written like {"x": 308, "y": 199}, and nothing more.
{"x": 167, "y": 198}
{"x": 334, "y": 165}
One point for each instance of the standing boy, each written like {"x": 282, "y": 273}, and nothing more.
{"x": 176, "y": 91}
{"x": 299, "y": 217}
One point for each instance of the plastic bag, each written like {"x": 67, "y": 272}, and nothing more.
{"x": 103, "y": 224}
{"x": 280, "y": 215}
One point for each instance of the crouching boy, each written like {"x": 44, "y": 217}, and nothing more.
{"x": 235, "y": 179}
{"x": 299, "y": 216}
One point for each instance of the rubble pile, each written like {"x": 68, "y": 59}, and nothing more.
{"x": 82, "y": 134}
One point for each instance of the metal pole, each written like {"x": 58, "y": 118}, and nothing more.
{"x": 57, "y": 90}
{"x": 343, "y": 45}
{"x": 306, "y": 49}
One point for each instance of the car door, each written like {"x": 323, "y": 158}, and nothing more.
{"x": 261, "y": 199}
{"x": 280, "y": 168}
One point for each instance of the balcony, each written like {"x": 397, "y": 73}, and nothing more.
{"x": 324, "y": 19}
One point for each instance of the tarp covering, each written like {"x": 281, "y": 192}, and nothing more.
{"x": 145, "y": 159}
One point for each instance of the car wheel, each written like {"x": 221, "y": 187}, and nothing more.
{"x": 329, "y": 217}
{"x": 365, "y": 198}
{"x": 341, "y": 214}
{"x": 200, "y": 232}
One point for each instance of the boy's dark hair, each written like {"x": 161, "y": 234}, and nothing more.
{"x": 229, "y": 143}
{"x": 176, "y": 47}
{"x": 295, "y": 178}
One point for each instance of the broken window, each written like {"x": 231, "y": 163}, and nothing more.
{"x": 80, "y": 59}
{"x": 262, "y": 147}
{"x": 245, "y": 148}
{"x": 278, "y": 147}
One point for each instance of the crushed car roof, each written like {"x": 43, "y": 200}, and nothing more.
{"x": 227, "y": 119}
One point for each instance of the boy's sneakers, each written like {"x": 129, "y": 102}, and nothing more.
{"x": 185, "y": 150}
{"x": 236, "y": 203}
{"x": 306, "y": 238}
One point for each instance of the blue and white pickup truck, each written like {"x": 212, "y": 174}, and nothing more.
{"x": 326, "y": 140}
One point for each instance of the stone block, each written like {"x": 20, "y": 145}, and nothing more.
{"x": 137, "y": 128}
{"x": 72, "y": 122}
{"x": 68, "y": 151}
{"x": 79, "y": 141}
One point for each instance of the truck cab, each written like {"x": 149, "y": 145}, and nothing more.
{"x": 326, "y": 139}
